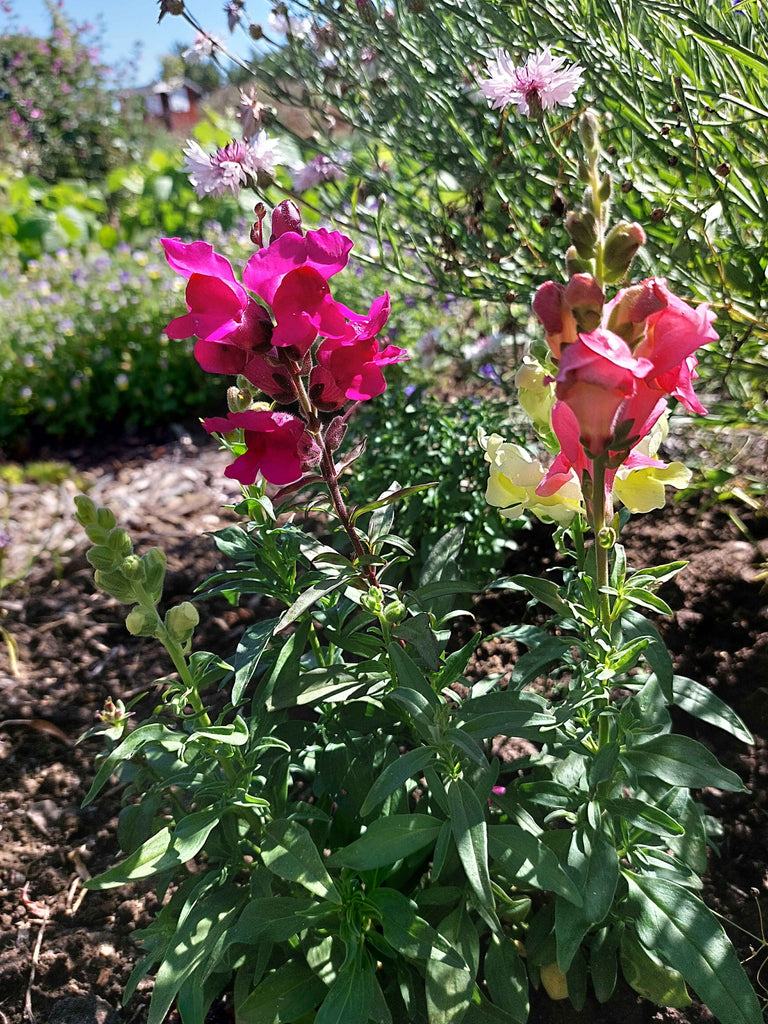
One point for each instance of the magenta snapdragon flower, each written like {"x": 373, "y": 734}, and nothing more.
{"x": 541, "y": 83}
{"x": 273, "y": 441}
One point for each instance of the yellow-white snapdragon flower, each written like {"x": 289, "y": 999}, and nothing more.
{"x": 640, "y": 483}
{"x": 514, "y": 477}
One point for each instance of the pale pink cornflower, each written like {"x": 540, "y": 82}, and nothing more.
{"x": 319, "y": 169}
{"x": 229, "y": 168}
{"x": 203, "y": 46}
{"x": 541, "y": 83}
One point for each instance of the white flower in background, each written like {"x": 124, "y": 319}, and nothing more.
{"x": 319, "y": 169}
{"x": 284, "y": 25}
{"x": 541, "y": 83}
{"x": 202, "y": 47}
{"x": 228, "y": 169}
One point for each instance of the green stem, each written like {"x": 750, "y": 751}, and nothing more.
{"x": 332, "y": 482}
{"x": 598, "y": 515}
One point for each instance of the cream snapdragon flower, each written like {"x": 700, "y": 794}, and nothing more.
{"x": 514, "y": 477}
{"x": 642, "y": 488}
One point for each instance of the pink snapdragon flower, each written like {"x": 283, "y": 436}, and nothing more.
{"x": 230, "y": 324}
{"x": 541, "y": 83}
{"x": 274, "y": 442}
{"x": 349, "y": 368}
{"x": 291, "y": 275}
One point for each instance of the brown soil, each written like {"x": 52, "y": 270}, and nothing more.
{"x": 65, "y": 954}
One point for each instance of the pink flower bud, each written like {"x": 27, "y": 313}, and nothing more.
{"x": 285, "y": 217}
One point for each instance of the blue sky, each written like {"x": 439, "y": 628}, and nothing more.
{"x": 125, "y": 22}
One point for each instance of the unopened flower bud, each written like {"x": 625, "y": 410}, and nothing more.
{"x": 255, "y": 31}
{"x": 142, "y": 621}
{"x": 589, "y": 133}
{"x": 180, "y": 621}
{"x": 170, "y": 7}
{"x": 335, "y": 432}
{"x": 621, "y": 246}
{"x": 133, "y": 569}
{"x": 238, "y": 399}
{"x": 86, "y": 510}
{"x": 394, "y": 612}
{"x": 119, "y": 541}
{"x": 574, "y": 263}
{"x": 585, "y": 298}
{"x": 580, "y": 225}
{"x": 154, "y": 569}
{"x": 554, "y": 981}
{"x": 373, "y": 601}
{"x": 604, "y": 188}
{"x": 285, "y": 217}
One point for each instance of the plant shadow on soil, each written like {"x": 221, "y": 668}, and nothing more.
{"x": 65, "y": 956}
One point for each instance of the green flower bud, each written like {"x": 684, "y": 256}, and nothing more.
{"x": 105, "y": 518}
{"x": 581, "y": 226}
{"x": 86, "y": 510}
{"x": 102, "y": 557}
{"x": 238, "y": 399}
{"x": 181, "y": 620}
{"x": 606, "y": 538}
{"x": 119, "y": 541}
{"x": 621, "y": 246}
{"x": 154, "y": 569}
{"x": 574, "y": 263}
{"x": 116, "y": 584}
{"x": 605, "y": 187}
{"x": 132, "y": 568}
{"x": 589, "y": 133}
{"x": 142, "y": 621}
{"x": 373, "y": 601}
{"x": 96, "y": 533}
{"x": 394, "y": 612}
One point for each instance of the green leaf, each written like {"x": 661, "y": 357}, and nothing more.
{"x": 449, "y": 989}
{"x": 650, "y": 978}
{"x": 235, "y": 734}
{"x": 287, "y": 850}
{"x": 350, "y": 998}
{"x": 284, "y": 996}
{"x": 644, "y": 816}
{"x": 635, "y": 625}
{"x": 602, "y": 877}
{"x": 310, "y": 596}
{"x": 142, "y": 863}
{"x": 252, "y": 645}
{"x": 467, "y": 816}
{"x": 388, "y": 840}
{"x": 410, "y": 675}
{"x": 700, "y": 702}
{"x": 410, "y": 934}
{"x": 395, "y": 774}
{"x": 523, "y": 856}
{"x": 680, "y": 929}
{"x": 151, "y": 733}
{"x": 193, "y": 942}
{"x": 401, "y": 492}
{"x": 682, "y": 761}
{"x": 275, "y": 918}
{"x": 507, "y": 978}
{"x": 545, "y": 591}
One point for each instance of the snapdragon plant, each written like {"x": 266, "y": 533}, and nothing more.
{"x": 337, "y": 841}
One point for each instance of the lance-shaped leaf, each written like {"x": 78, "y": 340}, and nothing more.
{"x": 287, "y": 850}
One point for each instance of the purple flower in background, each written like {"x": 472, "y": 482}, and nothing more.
{"x": 5, "y": 539}
{"x": 488, "y": 370}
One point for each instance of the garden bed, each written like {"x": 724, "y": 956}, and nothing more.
{"x": 65, "y": 954}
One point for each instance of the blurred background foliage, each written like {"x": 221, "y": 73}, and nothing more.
{"x": 457, "y": 209}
